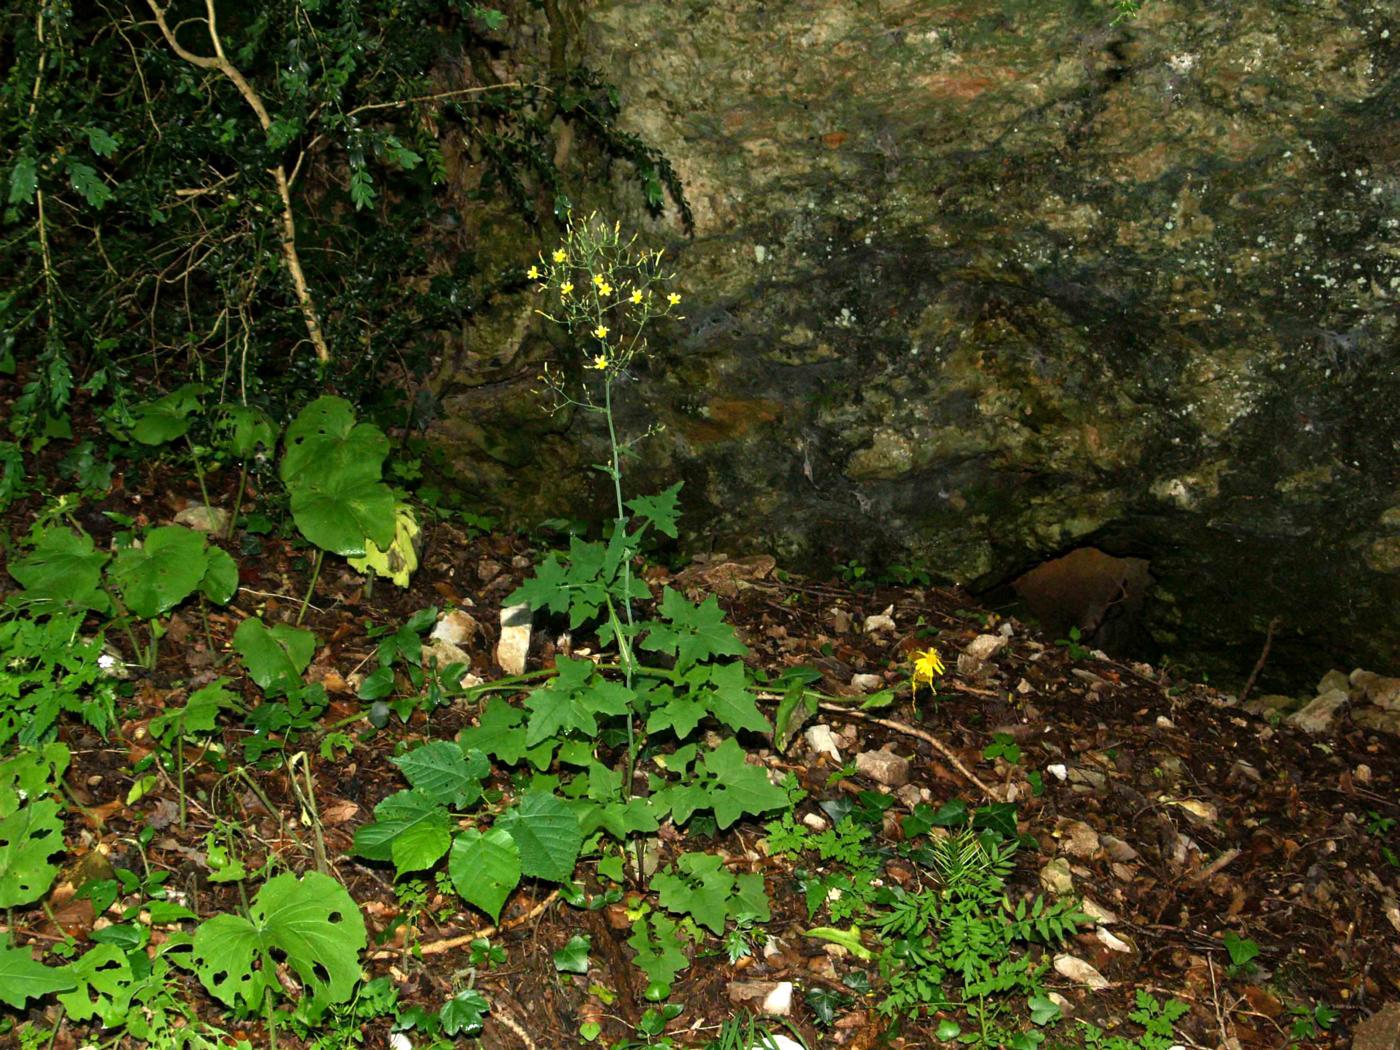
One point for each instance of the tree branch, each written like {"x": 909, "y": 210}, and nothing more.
{"x": 220, "y": 62}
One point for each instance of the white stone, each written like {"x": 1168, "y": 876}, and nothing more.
{"x": 822, "y": 741}
{"x": 1080, "y": 972}
{"x": 1059, "y": 771}
{"x": 1317, "y": 716}
{"x": 985, "y": 646}
{"x": 456, "y": 628}
{"x": 514, "y": 645}
{"x": 880, "y": 622}
{"x": 1112, "y": 943}
{"x": 866, "y": 683}
{"x": 1098, "y": 912}
{"x": 883, "y": 767}
{"x": 1056, "y": 877}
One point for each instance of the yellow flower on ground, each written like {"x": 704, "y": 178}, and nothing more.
{"x": 566, "y": 287}
{"x": 598, "y": 280}
{"x": 600, "y": 362}
{"x": 673, "y": 298}
{"x": 637, "y": 296}
{"x": 605, "y": 289}
{"x": 533, "y": 273}
{"x": 928, "y": 665}
{"x": 601, "y": 331}
{"x": 560, "y": 255}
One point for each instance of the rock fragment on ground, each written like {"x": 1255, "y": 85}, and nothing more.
{"x": 770, "y": 998}
{"x": 822, "y": 741}
{"x": 880, "y": 622}
{"x": 866, "y": 683}
{"x": 883, "y": 767}
{"x": 1055, "y": 877}
{"x": 203, "y": 519}
{"x": 1317, "y": 716}
{"x": 1080, "y": 972}
{"x": 1078, "y": 839}
{"x": 1376, "y": 689}
{"x": 514, "y": 646}
{"x": 1380, "y": 1031}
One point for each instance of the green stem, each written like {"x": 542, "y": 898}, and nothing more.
{"x": 270, "y": 1011}
{"x": 199, "y": 473}
{"x": 125, "y": 618}
{"x": 180, "y": 772}
{"x": 315, "y": 574}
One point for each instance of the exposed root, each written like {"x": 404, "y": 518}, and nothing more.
{"x": 462, "y": 940}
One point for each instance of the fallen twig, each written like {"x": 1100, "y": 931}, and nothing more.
{"x": 918, "y": 734}
{"x": 463, "y": 939}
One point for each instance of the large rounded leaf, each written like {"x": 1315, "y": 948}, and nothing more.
{"x": 338, "y": 512}
{"x": 166, "y": 418}
{"x": 325, "y": 441}
{"x": 310, "y": 922}
{"x": 275, "y": 655}
{"x": 165, "y": 570}
{"x": 63, "y": 568}
{"x": 485, "y": 868}
{"x": 28, "y": 838}
{"x": 547, "y": 834}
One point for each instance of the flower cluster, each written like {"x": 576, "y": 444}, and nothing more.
{"x": 604, "y": 292}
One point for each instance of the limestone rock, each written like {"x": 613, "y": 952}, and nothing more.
{"x": 867, "y": 683}
{"x": 514, "y": 646}
{"x": 1380, "y": 1031}
{"x": 1334, "y": 679}
{"x": 1079, "y": 840}
{"x": 1377, "y": 689}
{"x": 456, "y": 627}
{"x": 880, "y": 622}
{"x": 883, "y": 767}
{"x": 771, "y": 998}
{"x": 1056, "y": 877}
{"x": 986, "y": 646}
{"x": 1080, "y": 972}
{"x": 1317, "y": 715}
{"x": 197, "y": 516}
{"x": 822, "y": 741}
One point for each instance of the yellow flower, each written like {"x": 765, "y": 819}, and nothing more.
{"x": 637, "y": 296}
{"x": 927, "y": 666}
{"x": 598, "y": 280}
{"x": 566, "y": 287}
{"x": 533, "y": 273}
{"x": 673, "y": 298}
{"x": 601, "y": 331}
{"x": 600, "y": 362}
{"x": 560, "y": 255}
{"x": 605, "y": 289}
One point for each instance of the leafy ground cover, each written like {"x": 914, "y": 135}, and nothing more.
{"x": 1224, "y": 879}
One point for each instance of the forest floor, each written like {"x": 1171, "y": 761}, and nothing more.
{"x": 1244, "y": 869}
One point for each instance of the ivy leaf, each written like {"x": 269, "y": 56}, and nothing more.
{"x": 444, "y": 772}
{"x": 28, "y": 838}
{"x": 22, "y": 979}
{"x": 573, "y": 957}
{"x": 24, "y": 179}
{"x": 694, "y": 632}
{"x": 464, "y": 1014}
{"x": 165, "y": 570}
{"x": 547, "y": 834}
{"x": 411, "y": 828}
{"x": 64, "y": 568}
{"x": 485, "y": 868}
{"x": 660, "y": 950}
{"x": 199, "y": 713}
{"x": 103, "y": 985}
{"x": 500, "y": 733}
{"x": 276, "y": 655}
{"x": 88, "y": 184}
{"x": 168, "y": 417}
{"x": 310, "y": 922}
{"x": 738, "y": 788}
{"x": 660, "y": 510}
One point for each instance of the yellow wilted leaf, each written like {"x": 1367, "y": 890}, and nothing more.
{"x": 399, "y": 561}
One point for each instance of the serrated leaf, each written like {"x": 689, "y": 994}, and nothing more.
{"x": 275, "y": 655}
{"x": 700, "y": 888}
{"x": 28, "y": 838}
{"x": 660, "y": 510}
{"x": 546, "y": 589}
{"x": 165, "y": 570}
{"x": 693, "y": 633}
{"x": 89, "y": 184}
{"x": 547, "y": 834}
{"x": 731, "y": 701}
{"x": 168, "y": 417}
{"x": 445, "y": 773}
{"x": 501, "y": 732}
{"x": 63, "y": 568}
{"x": 310, "y": 922}
{"x": 485, "y": 868}
{"x": 660, "y": 949}
{"x": 24, "y": 179}
{"x": 464, "y": 1014}
{"x": 102, "y": 142}
{"x": 199, "y": 714}
{"x": 738, "y": 788}
{"x": 411, "y": 828}
{"x": 22, "y": 979}
{"x": 1044, "y": 1010}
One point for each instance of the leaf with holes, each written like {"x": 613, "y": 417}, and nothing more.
{"x": 28, "y": 838}
{"x": 444, "y": 772}
{"x": 22, "y": 979}
{"x": 104, "y": 986}
{"x": 485, "y": 868}
{"x": 325, "y": 439}
{"x": 311, "y": 923}
{"x": 63, "y": 568}
{"x": 31, "y": 773}
{"x": 547, "y": 834}
{"x": 411, "y": 828}
{"x": 165, "y": 570}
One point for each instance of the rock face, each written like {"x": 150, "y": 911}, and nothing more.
{"x": 974, "y": 284}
